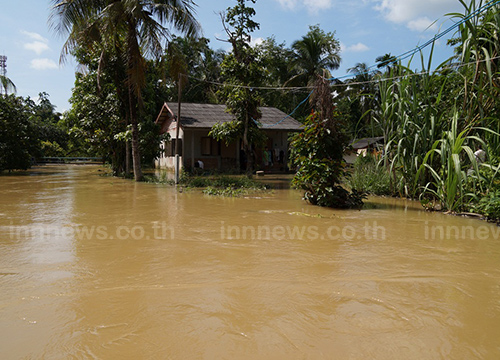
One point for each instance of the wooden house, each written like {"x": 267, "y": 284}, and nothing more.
{"x": 196, "y": 145}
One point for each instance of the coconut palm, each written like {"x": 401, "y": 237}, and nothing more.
{"x": 364, "y": 90}
{"x": 137, "y": 25}
{"x": 386, "y": 61}
{"x": 316, "y": 54}
{"x": 6, "y": 85}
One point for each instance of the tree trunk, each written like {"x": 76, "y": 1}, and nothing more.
{"x": 136, "y": 154}
{"x": 247, "y": 149}
{"x": 127, "y": 157}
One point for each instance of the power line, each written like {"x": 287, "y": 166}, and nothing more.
{"x": 412, "y": 52}
{"x": 449, "y": 67}
{"x": 280, "y": 88}
{"x": 397, "y": 58}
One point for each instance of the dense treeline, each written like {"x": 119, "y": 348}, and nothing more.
{"x": 30, "y": 130}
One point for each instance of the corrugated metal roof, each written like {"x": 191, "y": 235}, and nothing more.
{"x": 205, "y": 116}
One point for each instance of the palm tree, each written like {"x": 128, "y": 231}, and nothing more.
{"x": 316, "y": 54}
{"x": 137, "y": 25}
{"x": 386, "y": 61}
{"x": 6, "y": 85}
{"x": 364, "y": 89}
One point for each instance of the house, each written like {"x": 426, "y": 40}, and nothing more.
{"x": 195, "y": 144}
{"x": 362, "y": 147}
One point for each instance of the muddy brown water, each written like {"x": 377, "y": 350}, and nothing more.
{"x": 94, "y": 267}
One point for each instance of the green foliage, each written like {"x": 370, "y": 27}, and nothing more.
{"x": 369, "y": 176}
{"x": 228, "y": 131}
{"x": 489, "y": 206}
{"x": 317, "y": 153}
{"x": 52, "y": 149}
{"x": 18, "y": 134}
{"x": 29, "y": 131}
{"x": 227, "y": 192}
{"x": 315, "y": 54}
{"x": 241, "y": 68}
{"x": 193, "y": 57}
{"x": 450, "y": 178}
{"x": 6, "y": 85}
{"x": 222, "y": 185}
{"x": 128, "y": 31}
{"x": 221, "y": 182}
{"x": 95, "y": 116}
{"x": 231, "y": 131}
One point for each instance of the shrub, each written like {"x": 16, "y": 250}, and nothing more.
{"x": 369, "y": 177}
{"x": 317, "y": 152}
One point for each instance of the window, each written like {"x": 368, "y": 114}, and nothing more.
{"x": 209, "y": 146}
{"x": 170, "y": 150}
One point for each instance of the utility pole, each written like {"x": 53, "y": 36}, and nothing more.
{"x": 179, "y": 84}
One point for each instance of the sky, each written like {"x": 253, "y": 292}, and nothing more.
{"x": 366, "y": 29}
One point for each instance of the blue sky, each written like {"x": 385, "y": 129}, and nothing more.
{"x": 365, "y": 28}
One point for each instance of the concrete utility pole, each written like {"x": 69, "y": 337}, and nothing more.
{"x": 179, "y": 84}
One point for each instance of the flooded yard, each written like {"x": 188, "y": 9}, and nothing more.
{"x": 99, "y": 267}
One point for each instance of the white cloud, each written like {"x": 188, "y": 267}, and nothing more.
{"x": 43, "y": 64}
{"x": 422, "y": 24}
{"x": 39, "y": 44}
{"x": 288, "y": 4}
{"x": 312, "y": 6}
{"x": 359, "y": 47}
{"x": 35, "y": 36}
{"x": 256, "y": 41}
{"x": 416, "y": 14}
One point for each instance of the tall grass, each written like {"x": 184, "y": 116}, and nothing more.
{"x": 369, "y": 177}
{"x": 457, "y": 161}
{"x": 434, "y": 121}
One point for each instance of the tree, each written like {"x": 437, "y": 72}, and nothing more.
{"x": 95, "y": 116}
{"x": 202, "y": 66}
{"x": 135, "y": 25}
{"x": 386, "y": 61}
{"x": 363, "y": 91}
{"x": 317, "y": 53}
{"x": 318, "y": 152}
{"x": 276, "y": 60}
{"x": 242, "y": 69}
{"x": 19, "y": 142}
{"x": 7, "y": 85}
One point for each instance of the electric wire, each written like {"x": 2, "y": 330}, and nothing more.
{"x": 398, "y": 58}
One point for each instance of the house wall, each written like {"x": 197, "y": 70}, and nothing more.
{"x": 277, "y": 142}
{"x": 165, "y": 161}
{"x": 218, "y": 156}
{"x": 215, "y": 155}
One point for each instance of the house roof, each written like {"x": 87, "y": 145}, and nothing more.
{"x": 366, "y": 142}
{"x": 204, "y": 116}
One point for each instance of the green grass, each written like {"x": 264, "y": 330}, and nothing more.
{"x": 370, "y": 178}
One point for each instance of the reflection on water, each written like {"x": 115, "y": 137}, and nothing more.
{"x": 98, "y": 267}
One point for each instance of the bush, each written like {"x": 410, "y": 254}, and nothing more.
{"x": 489, "y": 206}
{"x": 317, "y": 152}
{"x": 368, "y": 177}
{"x": 19, "y": 141}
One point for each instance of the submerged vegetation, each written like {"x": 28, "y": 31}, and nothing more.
{"x": 231, "y": 186}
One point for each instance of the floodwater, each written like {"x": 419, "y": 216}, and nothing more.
{"x": 93, "y": 267}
